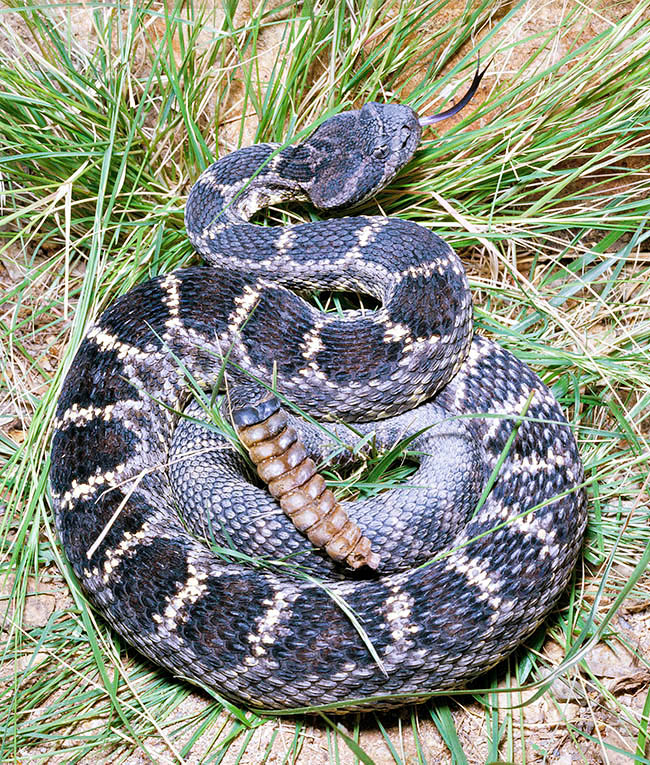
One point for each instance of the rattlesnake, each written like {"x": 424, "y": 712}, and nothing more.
{"x": 462, "y": 575}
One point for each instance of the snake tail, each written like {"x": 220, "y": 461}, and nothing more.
{"x": 282, "y": 463}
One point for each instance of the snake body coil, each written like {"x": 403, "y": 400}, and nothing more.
{"x": 461, "y": 578}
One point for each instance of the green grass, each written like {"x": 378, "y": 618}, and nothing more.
{"x": 543, "y": 186}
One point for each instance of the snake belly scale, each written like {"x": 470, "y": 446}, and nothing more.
{"x": 479, "y": 580}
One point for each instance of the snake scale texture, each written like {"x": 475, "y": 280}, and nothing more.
{"x": 457, "y": 577}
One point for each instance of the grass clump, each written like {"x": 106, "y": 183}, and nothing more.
{"x": 543, "y": 187}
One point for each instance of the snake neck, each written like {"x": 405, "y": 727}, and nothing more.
{"x": 230, "y": 192}
{"x": 416, "y": 278}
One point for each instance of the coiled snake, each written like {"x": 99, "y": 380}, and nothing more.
{"x": 450, "y": 576}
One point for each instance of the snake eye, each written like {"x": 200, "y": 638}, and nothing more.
{"x": 405, "y": 134}
{"x": 380, "y": 152}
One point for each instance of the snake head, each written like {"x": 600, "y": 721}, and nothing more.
{"x": 353, "y": 155}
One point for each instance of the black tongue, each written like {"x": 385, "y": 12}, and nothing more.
{"x": 424, "y": 121}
